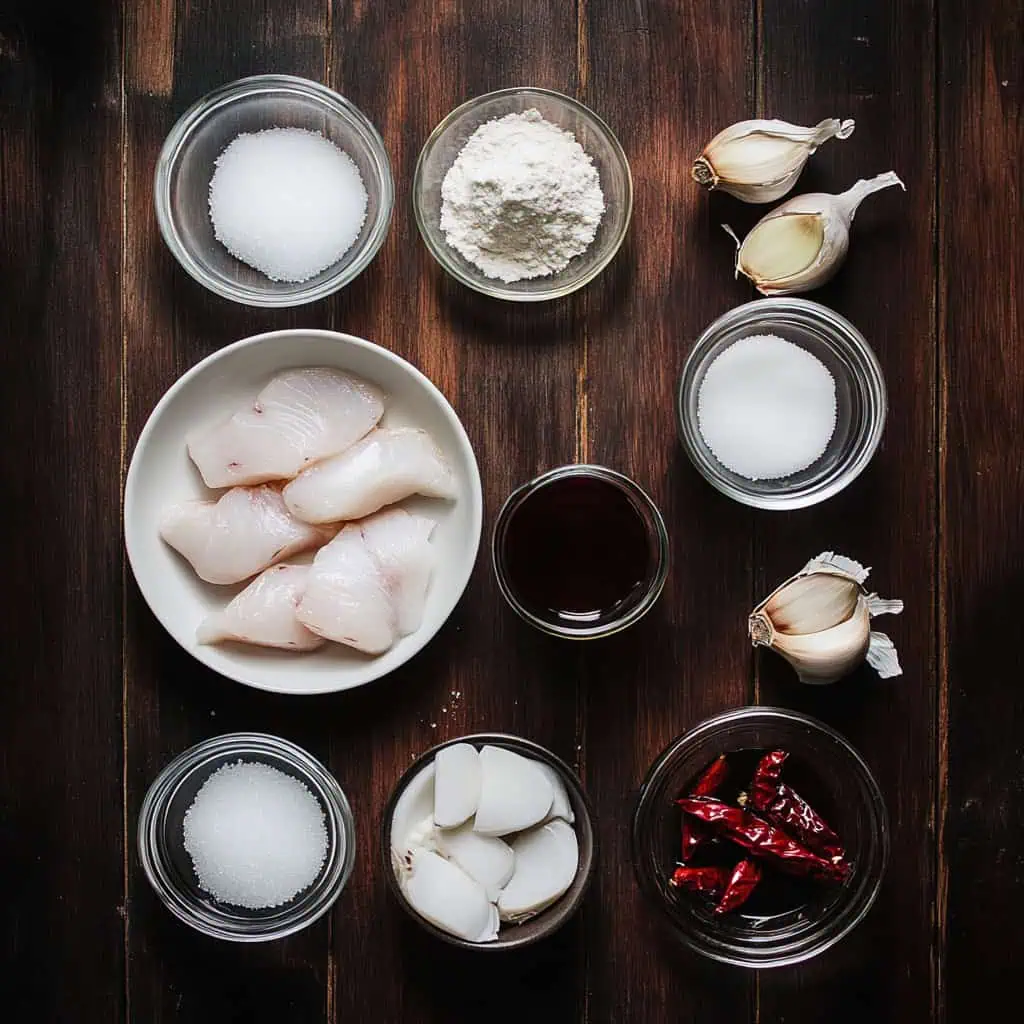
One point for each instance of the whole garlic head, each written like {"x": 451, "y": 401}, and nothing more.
{"x": 820, "y": 621}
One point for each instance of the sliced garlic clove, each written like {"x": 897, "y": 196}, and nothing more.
{"x": 561, "y": 807}
{"x": 486, "y": 859}
{"x": 447, "y": 897}
{"x": 830, "y": 654}
{"x": 547, "y": 859}
{"x": 802, "y": 243}
{"x": 415, "y": 803}
{"x": 514, "y": 793}
{"x": 456, "y": 784}
{"x": 809, "y": 604}
{"x": 759, "y": 161}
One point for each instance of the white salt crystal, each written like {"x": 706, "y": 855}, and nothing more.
{"x": 286, "y": 201}
{"x": 256, "y": 835}
{"x": 766, "y": 407}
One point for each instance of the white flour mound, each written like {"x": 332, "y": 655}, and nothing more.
{"x": 521, "y": 199}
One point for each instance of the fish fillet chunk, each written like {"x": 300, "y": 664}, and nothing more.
{"x": 384, "y": 467}
{"x": 368, "y": 586}
{"x": 299, "y": 417}
{"x": 248, "y": 529}
{"x": 264, "y": 613}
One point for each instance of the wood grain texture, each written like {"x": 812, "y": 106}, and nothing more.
{"x": 649, "y": 74}
{"x": 510, "y": 372}
{"x": 873, "y": 62}
{"x": 981, "y": 136}
{"x": 170, "y": 323}
{"x": 61, "y": 856}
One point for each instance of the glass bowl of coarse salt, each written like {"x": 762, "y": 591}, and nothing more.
{"x": 273, "y": 191}
{"x": 523, "y": 194}
{"x": 781, "y": 404}
{"x": 246, "y": 837}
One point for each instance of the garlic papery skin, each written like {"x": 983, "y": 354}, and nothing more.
{"x": 802, "y": 243}
{"x": 820, "y": 621}
{"x": 759, "y": 161}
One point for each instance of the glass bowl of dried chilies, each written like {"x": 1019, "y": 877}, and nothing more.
{"x": 762, "y": 836}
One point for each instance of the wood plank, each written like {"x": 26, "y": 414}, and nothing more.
{"x": 61, "y": 853}
{"x": 873, "y": 62}
{"x": 666, "y": 78}
{"x": 981, "y": 139}
{"x": 176, "y": 52}
{"x": 407, "y": 66}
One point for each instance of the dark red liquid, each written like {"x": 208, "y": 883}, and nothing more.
{"x": 576, "y": 551}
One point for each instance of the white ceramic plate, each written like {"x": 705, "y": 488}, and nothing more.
{"x": 161, "y": 473}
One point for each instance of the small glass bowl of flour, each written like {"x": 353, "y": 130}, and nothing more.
{"x": 781, "y": 403}
{"x": 523, "y": 194}
{"x": 246, "y": 837}
{"x": 242, "y": 176}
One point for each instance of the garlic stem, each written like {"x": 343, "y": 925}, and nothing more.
{"x": 846, "y": 203}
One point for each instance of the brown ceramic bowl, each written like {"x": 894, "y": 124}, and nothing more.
{"x": 547, "y": 921}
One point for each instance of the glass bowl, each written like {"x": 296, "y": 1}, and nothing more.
{"x": 627, "y": 612}
{"x": 596, "y": 138}
{"x": 547, "y": 921}
{"x": 860, "y": 400}
{"x": 169, "y": 868}
{"x": 186, "y": 163}
{"x": 852, "y": 805}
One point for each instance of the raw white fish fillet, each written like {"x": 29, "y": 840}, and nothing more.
{"x": 384, "y": 467}
{"x": 400, "y": 542}
{"x": 264, "y": 613}
{"x": 299, "y": 417}
{"x": 243, "y": 533}
{"x": 368, "y": 586}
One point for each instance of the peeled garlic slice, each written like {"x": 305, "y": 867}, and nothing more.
{"x": 486, "y": 859}
{"x": 448, "y": 898}
{"x": 415, "y": 803}
{"x": 560, "y": 806}
{"x": 514, "y": 793}
{"x": 456, "y": 784}
{"x": 547, "y": 858}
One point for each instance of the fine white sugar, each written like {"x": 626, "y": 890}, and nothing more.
{"x": 766, "y": 407}
{"x": 256, "y": 835}
{"x": 286, "y": 201}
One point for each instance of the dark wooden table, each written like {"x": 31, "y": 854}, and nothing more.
{"x": 97, "y": 321}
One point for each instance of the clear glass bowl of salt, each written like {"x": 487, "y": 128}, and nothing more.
{"x": 277, "y": 176}
{"x": 795, "y": 411}
{"x": 249, "y": 817}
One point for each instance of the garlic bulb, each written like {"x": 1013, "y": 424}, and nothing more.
{"x": 801, "y": 244}
{"x": 759, "y": 161}
{"x": 820, "y": 621}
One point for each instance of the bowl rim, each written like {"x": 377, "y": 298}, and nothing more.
{"x": 843, "y": 332}
{"x": 314, "y": 773}
{"x": 749, "y": 712}
{"x": 197, "y": 113}
{"x": 497, "y": 290}
{"x": 518, "y": 745}
{"x": 422, "y": 637}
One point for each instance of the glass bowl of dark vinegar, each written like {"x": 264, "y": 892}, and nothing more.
{"x": 580, "y": 552}
{"x": 786, "y": 919}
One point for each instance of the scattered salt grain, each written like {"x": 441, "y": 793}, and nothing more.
{"x": 286, "y": 201}
{"x": 766, "y": 407}
{"x": 256, "y": 836}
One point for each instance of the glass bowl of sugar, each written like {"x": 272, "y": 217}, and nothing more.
{"x": 523, "y": 194}
{"x": 273, "y": 191}
{"x": 246, "y": 837}
{"x": 781, "y": 403}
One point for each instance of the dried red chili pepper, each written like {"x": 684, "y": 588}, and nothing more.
{"x": 741, "y": 884}
{"x": 761, "y": 838}
{"x": 707, "y": 785}
{"x": 781, "y": 805}
{"x": 712, "y": 880}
